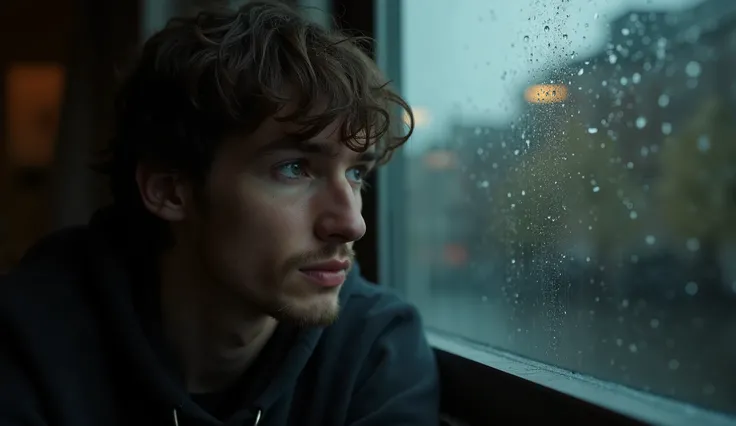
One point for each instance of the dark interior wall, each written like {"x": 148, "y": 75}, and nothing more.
{"x": 105, "y": 38}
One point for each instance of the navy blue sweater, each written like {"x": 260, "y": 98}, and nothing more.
{"x": 80, "y": 345}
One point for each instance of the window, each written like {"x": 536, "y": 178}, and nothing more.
{"x": 569, "y": 196}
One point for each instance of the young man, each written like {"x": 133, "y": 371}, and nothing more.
{"x": 219, "y": 288}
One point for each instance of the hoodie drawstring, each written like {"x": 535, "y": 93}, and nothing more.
{"x": 255, "y": 423}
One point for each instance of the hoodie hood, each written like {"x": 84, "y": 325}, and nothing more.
{"x": 130, "y": 305}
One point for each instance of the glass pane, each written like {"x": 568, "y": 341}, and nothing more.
{"x": 571, "y": 186}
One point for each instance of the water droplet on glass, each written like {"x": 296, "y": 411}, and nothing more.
{"x": 693, "y": 244}
{"x": 633, "y": 348}
{"x": 592, "y": 130}
{"x": 595, "y": 16}
{"x": 564, "y": 36}
{"x": 641, "y": 122}
{"x": 704, "y": 143}
{"x": 581, "y": 71}
{"x": 624, "y": 81}
{"x": 654, "y": 323}
{"x": 663, "y": 101}
{"x": 691, "y": 288}
{"x": 612, "y": 58}
{"x": 596, "y": 189}
{"x": 625, "y": 31}
{"x": 636, "y": 78}
{"x": 619, "y": 342}
{"x": 526, "y": 38}
{"x": 546, "y": 28}
{"x": 673, "y": 364}
{"x": 666, "y": 128}
{"x": 650, "y": 239}
{"x": 692, "y": 69}
{"x": 633, "y": 215}
{"x": 630, "y": 165}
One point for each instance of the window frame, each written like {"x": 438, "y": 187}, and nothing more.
{"x": 480, "y": 384}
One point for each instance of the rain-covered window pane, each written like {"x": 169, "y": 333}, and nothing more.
{"x": 571, "y": 187}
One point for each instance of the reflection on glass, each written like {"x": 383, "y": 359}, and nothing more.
{"x": 573, "y": 199}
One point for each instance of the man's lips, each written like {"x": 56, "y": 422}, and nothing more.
{"x": 327, "y": 274}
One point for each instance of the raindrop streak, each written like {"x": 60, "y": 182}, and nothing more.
{"x": 704, "y": 143}
{"x": 666, "y": 128}
{"x": 693, "y": 69}
{"x": 641, "y": 122}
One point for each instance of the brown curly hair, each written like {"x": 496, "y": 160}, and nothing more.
{"x": 223, "y": 72}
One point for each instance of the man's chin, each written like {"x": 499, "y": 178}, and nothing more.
{"x": 313, "y": 313}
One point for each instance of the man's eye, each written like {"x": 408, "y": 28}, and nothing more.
{"x": 292, "y": 170}
{"x": 357, "y": 174}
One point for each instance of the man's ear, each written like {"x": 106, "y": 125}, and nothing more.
{"x": 164, "y": 193}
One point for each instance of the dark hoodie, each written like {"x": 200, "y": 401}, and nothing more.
{"x": 80, "y": 345}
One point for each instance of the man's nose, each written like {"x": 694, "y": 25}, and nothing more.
{"x": 339, "y": 218}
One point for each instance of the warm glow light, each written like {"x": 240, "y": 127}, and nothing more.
{"x": 440, "y": 160}
{"x": 546, "y": 93}
{"x": 33, "y": 100}
{"x": 421, "y": 117}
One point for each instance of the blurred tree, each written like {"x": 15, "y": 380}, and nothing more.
{"x": 573, "y": 190}
{"x": 697, "y": 189}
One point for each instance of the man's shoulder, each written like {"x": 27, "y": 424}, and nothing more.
{"x": 374, "y": 300}
{"x": 370, "y": 311}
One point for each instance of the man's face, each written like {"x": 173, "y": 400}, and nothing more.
{"x": 278, "y": 220}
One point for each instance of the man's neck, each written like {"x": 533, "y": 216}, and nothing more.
{"x": 214, "y": 337}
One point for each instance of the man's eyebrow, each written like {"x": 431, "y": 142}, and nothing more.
{"x": 311, "y": 146}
